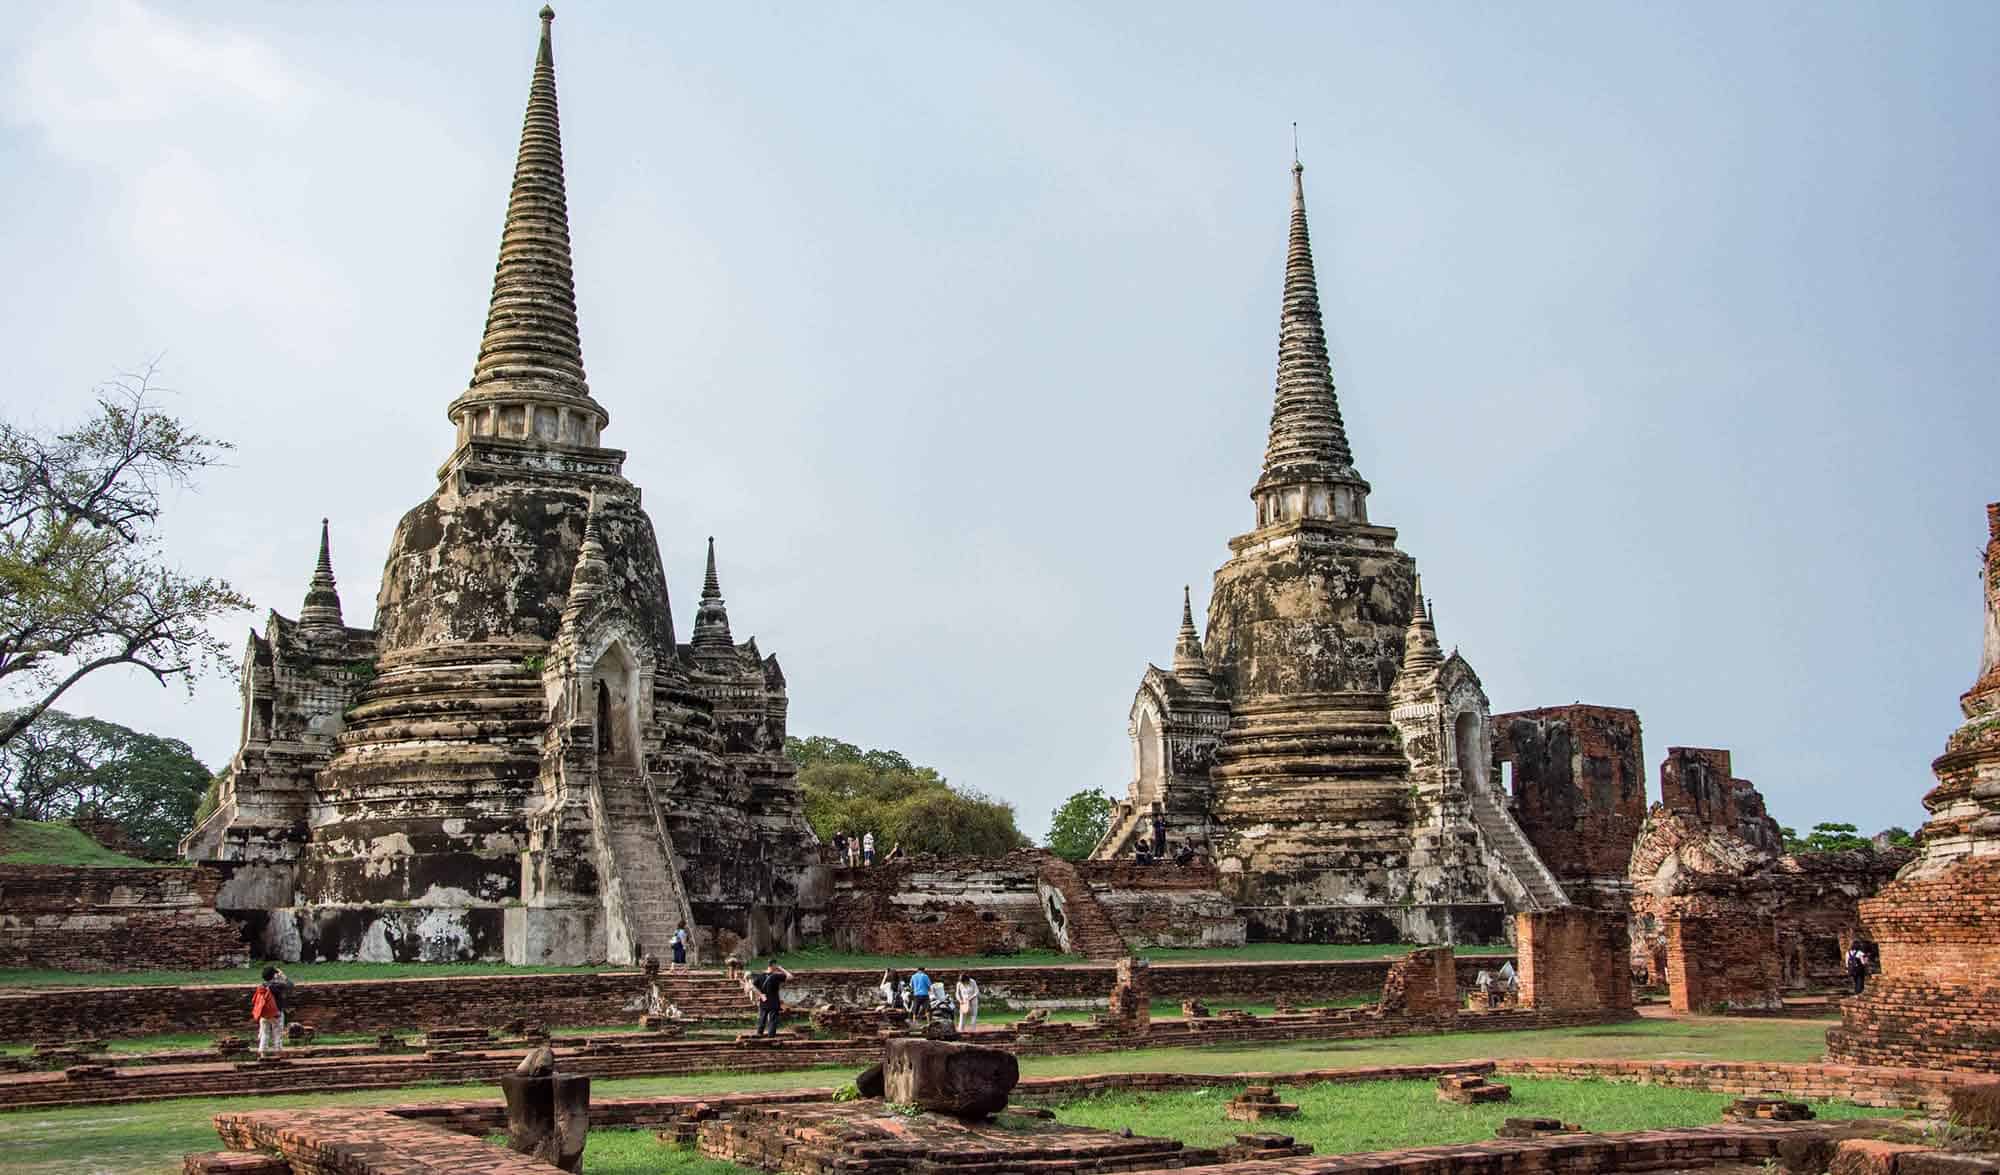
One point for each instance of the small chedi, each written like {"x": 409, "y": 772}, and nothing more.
{"x": 1937, "y": 1001}
{"x": 1318, "y": 743}
{"x": 520, "y": 760}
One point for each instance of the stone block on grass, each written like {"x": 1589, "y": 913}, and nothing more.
{"x": 966, "y": 1080}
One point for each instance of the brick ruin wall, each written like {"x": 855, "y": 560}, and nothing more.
{"x": 1574, "y": 958}
{"x": 1722, "y": 956}
{"x": 1710, "y": 850}
{"x": 578, "y": 999}
{"x": 1422, "y": 985}
{"x": 72, "y": 919}
{"x": 1578, "y": 792}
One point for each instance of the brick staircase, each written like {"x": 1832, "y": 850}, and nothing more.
{"x": 1091, "y": 933}
{"x": 643, "y": 870}
{"x": 1506, "y": 841}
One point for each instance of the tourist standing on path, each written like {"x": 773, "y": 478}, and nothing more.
{"x": 281, "y": 991}
{"x": 771, "y": 985}
{"x": 681, "y": 947}
{"x": 920, "y": 996}
{"x": 1159, "y": 834}
{"x": 968, "y": 1002}
{"x": 868, "y": 848}
{"x": 264, "y": 1014}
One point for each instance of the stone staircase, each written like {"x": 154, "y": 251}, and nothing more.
{"x": 1118, "y": 839}
{"x": 644, "y": 877}
{"x": 1091, "y": 933}
{"x": 1505, "y": 841}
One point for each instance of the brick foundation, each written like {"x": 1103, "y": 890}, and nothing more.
{"x": 410, "y": 1140}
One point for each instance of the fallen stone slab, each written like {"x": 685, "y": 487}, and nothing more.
{"x": 967, "y": 1080}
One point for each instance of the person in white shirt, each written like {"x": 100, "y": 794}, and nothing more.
{"x": 967, "y": 994}
{"x": 868, "y": 848}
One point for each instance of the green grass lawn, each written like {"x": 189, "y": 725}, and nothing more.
{"x": 40, "y": 842}
{"x": 150, "y": 1137}
{"x": 1389, "y": 1115}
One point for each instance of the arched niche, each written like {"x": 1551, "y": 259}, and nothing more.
{"x": 1468, "y": 736}
{"x": 1149, "y": 753}
{"x": 614, "y": 700}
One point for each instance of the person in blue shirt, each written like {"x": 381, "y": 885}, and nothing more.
{"x": 920, "y": 996}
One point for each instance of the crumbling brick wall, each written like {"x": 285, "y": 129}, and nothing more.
{"x": 1696, "y": 782}
{"x": 78, "y": 919}
{"x": 1574, "y": 958}
{"x": 1578, "y": 791}
{"x": 1422, "y": 985}
{"x": 1721, "y": 956}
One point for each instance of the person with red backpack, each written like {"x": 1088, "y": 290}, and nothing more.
{"x": 269, "y": 1019}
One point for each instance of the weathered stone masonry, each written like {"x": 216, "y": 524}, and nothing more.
{"x": 519, "y": 760}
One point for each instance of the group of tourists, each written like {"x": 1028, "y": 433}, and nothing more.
{"x": 849, "y": 849}
{"x": 917, "y": 995}
{"x": 1153, "y": 847}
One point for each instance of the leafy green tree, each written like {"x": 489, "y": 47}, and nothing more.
{"x": 854, "y": 791}
{"x": 1828, "y": 837}
{"x": 83, "y": 585}
{"x": 61, "y": 767}
{"x": 1077, "y": 826}
{"x": 1898, "y": 837}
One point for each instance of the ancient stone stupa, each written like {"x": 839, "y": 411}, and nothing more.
{"x": 519, "y": 760}
{"x": 1936, "y": 1003}
{"x": 1319, "y": 742}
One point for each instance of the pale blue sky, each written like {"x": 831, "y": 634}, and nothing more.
{"x": 1664, "y": 332}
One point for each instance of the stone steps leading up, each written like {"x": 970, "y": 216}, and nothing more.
{"x": 1511, "y": 845}
{"x": 1091, "y": 933}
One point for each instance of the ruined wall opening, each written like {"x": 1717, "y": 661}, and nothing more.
{"x": 615, "y": 707}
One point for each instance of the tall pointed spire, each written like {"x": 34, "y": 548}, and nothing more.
{"x": 531, "y": 355}
{"x": 1190, "y": 666}
{"x": 1420, "y": 643}
{"x": 711, "y": 619}
{"x": 1308, "y": 448}
{"x": 322, "y": 606}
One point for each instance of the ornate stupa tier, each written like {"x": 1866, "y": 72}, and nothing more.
{"x": 1965, "y": 805}
{"x": 528, "y": 384}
